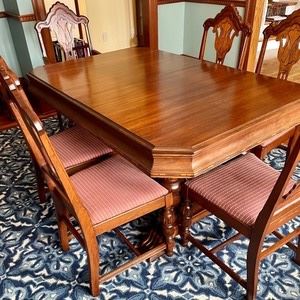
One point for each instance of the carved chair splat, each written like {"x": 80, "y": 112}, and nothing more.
{"x": 226, "y": 26}
{"x": 62, "y": 23}
{"x": 287, "y": 33}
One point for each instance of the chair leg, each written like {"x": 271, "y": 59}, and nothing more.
{"x": 92, "y": 250}
{"x": 40, "y": 182}
{"x": 253, "y": 263}
{"x": 63, "y": 235}
{"x": 297, "y": 253}
{"x": 259, "y": 151}
{"x": 186, "y": 221}
{"x": 60, "y": 121}
{"x": 61, "y": 213}
{"x": 169, "y": 228}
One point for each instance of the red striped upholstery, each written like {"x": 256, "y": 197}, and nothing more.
{"x": 114, "y": 186}
{"x": 240, "y": 187}
{"x": 76, "y": 145}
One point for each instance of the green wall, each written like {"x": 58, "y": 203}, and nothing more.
{"x": 194, "y": 14}
{"x": 25, "y": 7}
{"x": 171, "y": 29}
{"x": 7, "y": 49}
{"x": 19, "y": 43}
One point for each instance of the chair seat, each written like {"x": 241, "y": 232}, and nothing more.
{"x": 113, "y": 187}
{"x": 239, "y": 188}
{"x": 76, "y": 145}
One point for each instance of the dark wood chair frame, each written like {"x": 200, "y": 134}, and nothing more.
{"x": 287, "y": 33}
{"x": 42, "y": 190}
{"x": 68, "y": 204}
{"x": 278, "y": 210}
{"x": 226, "y": 25}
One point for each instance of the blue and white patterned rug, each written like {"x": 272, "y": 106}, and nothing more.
{"x": 33, "y": 266}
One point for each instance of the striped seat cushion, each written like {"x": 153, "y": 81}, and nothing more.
{"x": 113, "y": 187}
{"x": 239, "y": 188}
{"x": 76, "y": 145}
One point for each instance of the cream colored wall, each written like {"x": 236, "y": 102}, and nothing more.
{"x": 112, "y": 24}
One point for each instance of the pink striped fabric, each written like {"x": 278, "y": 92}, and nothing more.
{"x": 240, "y": 187}
{"x": 76, "y": 145}
{"x": 114, "y": 186}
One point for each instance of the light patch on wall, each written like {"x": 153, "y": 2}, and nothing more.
{"x": 112, "y": 24}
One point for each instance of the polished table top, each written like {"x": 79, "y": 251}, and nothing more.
{"x": 171, "y": 115}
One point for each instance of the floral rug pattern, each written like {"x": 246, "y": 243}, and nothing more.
{"x": 33, "y": 266}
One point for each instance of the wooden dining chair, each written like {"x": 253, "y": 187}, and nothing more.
{"x": 287, "y": 33}
{"x": 69, "y": 33}
{"x": 97, "y": 199}
{"x": 226, "y": 26}
{"x": 253, "y": 198}
{"x": 76, "y": 147}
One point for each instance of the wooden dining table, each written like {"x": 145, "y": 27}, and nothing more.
{"x": 172, "y": 116}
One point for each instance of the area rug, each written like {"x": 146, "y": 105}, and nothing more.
{"x": 33, "y": 266}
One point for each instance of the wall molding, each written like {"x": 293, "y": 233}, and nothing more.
{"x": 220, "y": 2}
{"x": 21, "y": 18}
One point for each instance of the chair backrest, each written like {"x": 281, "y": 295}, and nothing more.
{"x": 282, "y": 206}
{"x": 63, "y": 24}
{"x": 287, "y": 33}
{"x": 226, "y": 26}
{"x": 40, "y": 146}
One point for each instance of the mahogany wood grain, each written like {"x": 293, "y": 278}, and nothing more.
{"x": 171, "y": 115}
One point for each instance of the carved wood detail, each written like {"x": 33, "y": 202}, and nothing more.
{"x": 226, "y": 25}
{"x": 287, "y": 32}
{"x": 225, "y": 33}
{"x": 288, "y": 52}
{"x": 62, "y": 21}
